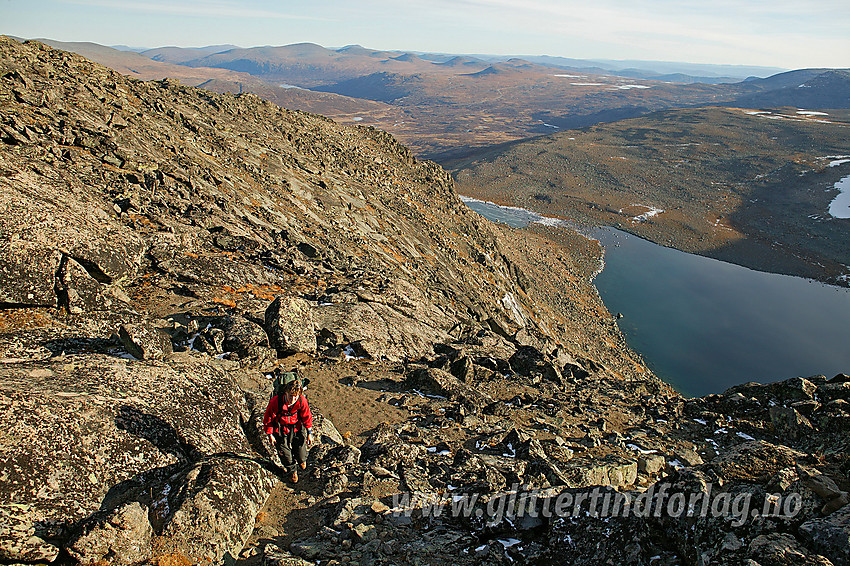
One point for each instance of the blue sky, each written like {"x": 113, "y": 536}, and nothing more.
{"x": 780, "y": 33}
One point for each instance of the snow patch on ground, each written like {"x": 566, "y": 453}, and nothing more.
{"x": 800, "y": 116}
{"x": 509, "y": 542}
{"x": 840, "y": 205}
{"x": 637, "y": 448}
{"x": 511, "y": 305}
{"x": 350, "y": 354}
{"x": 648, "y": 214}
{"x": 836, "y": 160}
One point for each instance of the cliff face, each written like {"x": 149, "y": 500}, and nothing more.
{"x": 162, "y": 246}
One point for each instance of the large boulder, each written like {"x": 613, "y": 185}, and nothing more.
{"x": 756, "y": 459}
{"x": 85, "y": 435}
{"x": 401, "y": 322}
{"x": 610, "y": 470}
{"x": 830, "y": 535}
{"x": 125, "y": 533}
{"x": 244, "y": 337}
{"x": 386, "y": 448}
{"x": 144, "y": 341}
{"x": 290, "y": 327}
{"x": 213, "y": 270}
{"x": 223, "y": 496}
{"x": 781, "y": 549}
{"x": 788, "y": 423}
{"x": 529, "y": 361}
{"x": 46, "y": 224}
{"x": 439, "y": 382}
{"x": 379, "y": 331}
{"x": 27, "y": 273}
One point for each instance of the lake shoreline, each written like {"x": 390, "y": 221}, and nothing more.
{"x": 586, "y": 228}
{"x": 703, "y": 324}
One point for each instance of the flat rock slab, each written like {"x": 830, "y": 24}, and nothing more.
{"x": 83, "y": 433}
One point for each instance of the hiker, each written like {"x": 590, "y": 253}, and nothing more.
{"x": 288, "y": 422}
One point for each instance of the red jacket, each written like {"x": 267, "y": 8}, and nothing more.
{"x": 297, "y": 414}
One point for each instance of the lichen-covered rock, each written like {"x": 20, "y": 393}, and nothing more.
{"x": 831, "y": 535}
{"x": 91, "y": 432}
{"x": 385, "y": 447}
{"x": 779, "y": 549}
{"x": 244, "y": 337}
{"x": 788, "y": 423}
{"x": 591, "y": 541}
{"x": 222, "y": 496}
{"x": 41, "y": 234}
{"x": 756, "y": 459}
{"x": 651, "y": 463}
{"x": 144, "y": 341}
{"x": 324, "y": 430}
{"x": 611, "y": 470}
{"x": 23, "y": 539}
{"x": 28, "y": 272}
{"x": 122, "y": 537}
{"x": 289, "y": 323}
{"x": 379, "y": 330}
{"x": 439, "y": 382}
{"x": 529, "y": 361}
{"x": 273, "y": 555}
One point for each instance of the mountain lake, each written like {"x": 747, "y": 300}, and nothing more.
{"x": 704, "y": 325}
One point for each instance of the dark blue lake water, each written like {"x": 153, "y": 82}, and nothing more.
{"x": 704, "y": 325}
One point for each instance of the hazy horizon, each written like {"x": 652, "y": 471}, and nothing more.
{"x": 782, "y": 34}
{"x": 710, "y": 68}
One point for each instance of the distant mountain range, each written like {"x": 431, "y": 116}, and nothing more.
{"x": 179, "y": 55}
{"x": 240, "y": 59}
{"x": 657, "y": 70}
{"x": 443, "y": 105}
{"x": 374, "y": 74}
{"x": 156, "y": 64}
{"x": 653, "y": 70}
{"x": 807, "y": 88}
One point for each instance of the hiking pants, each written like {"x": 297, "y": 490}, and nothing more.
{"x": 291, "y": 448}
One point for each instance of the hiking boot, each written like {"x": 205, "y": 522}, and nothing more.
{"x": 295, "y": 477}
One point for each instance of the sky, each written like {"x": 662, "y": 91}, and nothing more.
{"x": 788, "y": 34}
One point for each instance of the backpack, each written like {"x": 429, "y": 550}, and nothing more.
{"x": 282, "y": 378}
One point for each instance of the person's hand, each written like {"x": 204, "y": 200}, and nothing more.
{"x": 309, "y": 440}
{"x": 271, "y": 439}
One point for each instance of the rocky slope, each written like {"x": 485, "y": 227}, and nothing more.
{"x": 153, "y": 67}
{"x": 163, "y": 246}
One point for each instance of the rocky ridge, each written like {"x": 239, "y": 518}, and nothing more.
{"x": 163, "y": 246}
